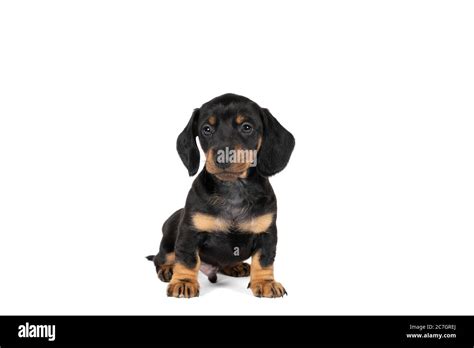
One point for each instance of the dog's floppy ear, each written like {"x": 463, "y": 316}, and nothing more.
{"x": 276, "y": 148}
{"x": 187, "y": 147}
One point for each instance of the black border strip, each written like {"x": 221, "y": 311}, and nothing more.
{"x": 242, "y": 330}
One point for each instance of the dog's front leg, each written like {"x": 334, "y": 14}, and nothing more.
{"x": 262, "y": 282}
{"x": 184, "y": 282}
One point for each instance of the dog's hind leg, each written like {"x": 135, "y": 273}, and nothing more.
{"x": 165, "y": 259}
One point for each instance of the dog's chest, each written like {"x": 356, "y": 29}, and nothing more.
{"x": 235, "y": 208}
{"x": 221, "y": 249}
{"x": 231, "y": 225}
{"x": 234, "y": 214}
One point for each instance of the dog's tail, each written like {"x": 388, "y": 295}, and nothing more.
{"x": 150, "y": 258}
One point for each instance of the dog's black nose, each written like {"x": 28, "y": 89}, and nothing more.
{"x": 221, "y": 163}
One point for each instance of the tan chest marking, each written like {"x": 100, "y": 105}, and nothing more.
{"x": 209, "y": 223}
{"x": 259, "y": 224}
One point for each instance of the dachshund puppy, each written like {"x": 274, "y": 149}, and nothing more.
{"x": 230, "y": 212}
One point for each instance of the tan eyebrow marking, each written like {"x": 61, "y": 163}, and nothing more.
{"x": 240, "y": 119}
{"x": 212, "y": 120}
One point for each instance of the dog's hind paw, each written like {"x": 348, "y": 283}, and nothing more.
{"x": 239, "y": 270}
{"x": 165, "y": 272}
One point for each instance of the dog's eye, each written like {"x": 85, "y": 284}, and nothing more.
{"x": 207, "y": 130}
{"x": 247, "y": 128}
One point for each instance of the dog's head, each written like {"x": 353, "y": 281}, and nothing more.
{"x": 235, "y": 134}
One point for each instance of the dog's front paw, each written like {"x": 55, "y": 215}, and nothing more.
{"x": 165, "y": 272}
{"x": 186, "y": 288}
{"x": 267, "y": 288}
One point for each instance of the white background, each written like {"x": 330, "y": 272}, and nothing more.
{"x": 376, "y": 205}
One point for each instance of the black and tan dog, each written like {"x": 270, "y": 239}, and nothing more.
{"x": 230, "y": 212}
